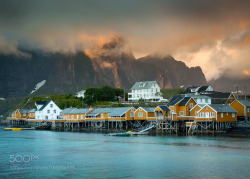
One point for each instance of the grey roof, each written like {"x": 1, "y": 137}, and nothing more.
{"x": 118, "y": 111}
{"x": 175, "y": 99}
{"x": 145, "y": 85}
{"x": 79, "y": 111}
{"x": 67, "y": 110}
{"x": 242, "y": 101}
{"x": 222, "y": 108}
{"x": 81, "y": 91}
{"x": 44, "y": 103}
{"x": 23, "y": 111}
{"x": 99, "y": 110}
{"x": 219, "y": 95}
{"x": 199, "y": 96}
{"x": 32, "y": 110}
{"x": 164, "y": 108}
{"x": 148, "y": 109}
{"x": 184, "y": 101}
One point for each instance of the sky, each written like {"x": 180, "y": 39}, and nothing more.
{"x": 214, "y": 35}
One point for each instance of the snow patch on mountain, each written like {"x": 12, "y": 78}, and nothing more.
{"x": 38, "y": 85}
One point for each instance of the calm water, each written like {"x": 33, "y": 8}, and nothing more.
{"x": 37, "y": 154}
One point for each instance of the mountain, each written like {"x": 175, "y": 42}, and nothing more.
{"x": 227, "y": 84}
{"x": 67, "y": 73}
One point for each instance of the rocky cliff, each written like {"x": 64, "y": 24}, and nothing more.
{"x": 67, "y": 73}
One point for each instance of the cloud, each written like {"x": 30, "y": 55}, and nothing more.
{"x": 213, "y": 35}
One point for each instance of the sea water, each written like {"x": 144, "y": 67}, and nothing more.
{"x": 49, "y": 154}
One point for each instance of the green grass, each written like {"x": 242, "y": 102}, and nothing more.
{"x": 167, "y": 93}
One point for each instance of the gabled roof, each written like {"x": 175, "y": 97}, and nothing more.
{"x": 149, "y": 109}
{"x": 199, "y": 96}
{"x": 23, "y": 111}
{"x": 200, "y": 105}
{"x": 143, "y": 85}
{"x": 44, "y": 103}
{"x": 67, "y": 111}
{"x": 198, "y": 89}
{"x": 219, "y": 95}
{"x": 174, "y": 100}
{"x": 244, "y": 103}
{"x": 32, "y": 110}
{"x": 202, "y": 88}
{"x": 222, "y": 108}
{"x": 99, "y": 110}
{"x": 164, "y": 108}
{"x": 184, "y": 101}
{"x": 79, "y": 111}
{"x": 82, "y": 91}
{"x": 118, "y": 111}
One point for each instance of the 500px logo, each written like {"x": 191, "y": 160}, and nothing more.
{"x": 23, "y": 158}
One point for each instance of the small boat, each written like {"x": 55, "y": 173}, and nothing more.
{"x": 119, "y": 134}
{"x": 13, "y": 129}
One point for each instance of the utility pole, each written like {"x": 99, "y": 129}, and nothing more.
{"x": 124, "y": 94}
{"x": 245, "y": 104}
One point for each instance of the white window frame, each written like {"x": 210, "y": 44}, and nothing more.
{"x": 72, "y": 116}
{"x": 140, "y": 114}
{"x": 131, "y": 114}
{"x": 191, "y": 105}
{"x": 181, "y": 113}
{"x": 207, "y": 114}
{"x": 48, "y": 111}
{"x": 202, "y": 114}
{"x": 51, "y": 105}
{"x": 54, "y": 111}
{"x": 233, "y": 114}
{"x": 212, "y": 114}
{"x": 221, "y": 115}
{"x": 196, "y": 113}
{"x": 81, "y": 116}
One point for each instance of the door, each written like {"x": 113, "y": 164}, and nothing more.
{"x": 207, "y": 114}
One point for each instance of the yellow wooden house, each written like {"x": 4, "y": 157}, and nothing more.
{"x": 242, "y": 107}
{"x": 216, "y": 112}
{"x": 20, "y": 114}
{"x": 74, "y": 114}
{"x": 162, "y": 113}
{"x": 145, "y": 113}
{"x": 121, "y": 114}
{"x": 100, "y": 114}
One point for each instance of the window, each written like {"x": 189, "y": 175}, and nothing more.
{"x": 206, "y": 100}
{"x": 201, "y": 100}
{"x": 102, "y": 115}
{"x": 233, "y": 114}
{"x": 132, "y": 110}
{"x": 81, "y": 116}
{"x": 131, "y": 114}
{"x": 221, "y": 114}
{"x": 212, "y": 114}
{"x": 191, "y": 105}
{"x": 54, "y": 111}
{"x": 181, "y": 113}
{"x": 207, "y": 114}
{"x": 140, "y": 114}
{"x": 140, "y": 109}
{"x": 48, "y": 111}
{"x": 202, "y": 114}
{"x": 51, "y": 105}
{"x": 196, "y": 113}
{"x": 248, "y": 109}
{"x": 72, "y": 116}
{"x": 24, "y": 114}
{"x": 46, "y": 117}
{"x": 77, "y": 116}
{"x": 206, "y": 108}
{"x": 227, "y": 113}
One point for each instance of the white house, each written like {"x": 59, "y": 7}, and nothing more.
{"x": 146, "y": 90}
{"x": 199, "y": 90}
{"x": 80, "y": 94}
{"x": 47, "y": 110}
{"x": 201, "y": 99}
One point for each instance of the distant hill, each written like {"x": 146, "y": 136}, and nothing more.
{"x": 65, "y": 74}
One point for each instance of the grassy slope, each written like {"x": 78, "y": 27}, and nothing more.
{"x": 167, "y": 93}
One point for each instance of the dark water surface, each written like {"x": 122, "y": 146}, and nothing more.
{"x": 48, "y": 154}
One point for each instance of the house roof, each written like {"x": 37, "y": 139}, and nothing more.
{"x": 202, "y": 88}
{"x": 174, "y": 99}
{"x": 99, "y": 110}
{"x": 184, "y": 101}
{"x": 32, "y": 110}
{"x": 118, "y": 111}
{"x": 67, "y": 110}
{"x": 80, "y": 111}
{"x": 143, "y": 85}
{"x": 244, "y": 103}
{"x": 164, "y": 108}
{"x": 199, "y": 89}
{"x": 44, "y": 103}
{"x": 82, "y": 91}
{"x": 199, "y": 96}
{"x": 149, "y": 109}
{"x": 219, "y": 95}
{"x": 222, "y": 108}
{"x": 23, "y": 111}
